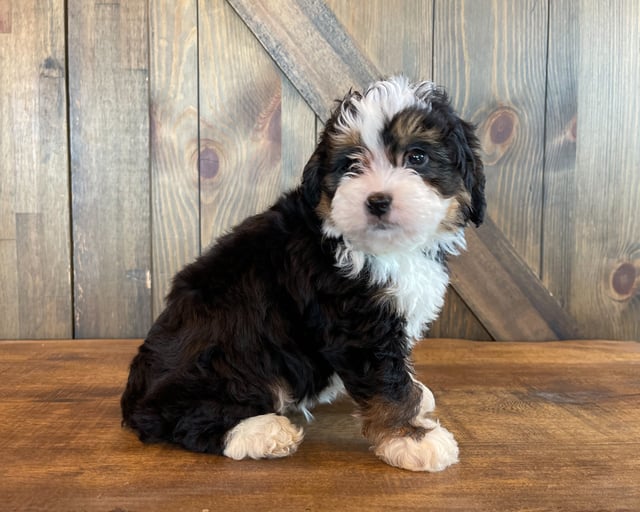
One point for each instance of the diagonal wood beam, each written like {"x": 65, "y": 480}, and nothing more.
{"x": 311, "y": 48}
{"x": 320, "y": 59}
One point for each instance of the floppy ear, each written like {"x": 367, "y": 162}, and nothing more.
{"x": 472, "y": 168}
{"x": 314, "y": 172}
{"x": 311, "y": 179}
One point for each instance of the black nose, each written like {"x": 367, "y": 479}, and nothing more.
{"x": 379, "y": 203}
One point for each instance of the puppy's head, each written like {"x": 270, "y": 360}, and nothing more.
{"x": 396, "y": 169}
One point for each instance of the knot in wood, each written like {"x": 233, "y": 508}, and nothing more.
{"x": 624, "y": 281}
{"x": 498, "y": 133}
{"x": 502, "y": 125}
{"x": 209, "y": 163}
{"x": 51, "y": 68}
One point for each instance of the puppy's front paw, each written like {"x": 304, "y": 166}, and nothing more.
{"x": 267, "y": 436}
{"x": 435, "y": 451}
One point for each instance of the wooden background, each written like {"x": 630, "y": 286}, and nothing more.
{"x": 133, "y": 133}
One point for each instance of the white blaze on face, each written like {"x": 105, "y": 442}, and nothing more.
{"x": 380, "y": 103}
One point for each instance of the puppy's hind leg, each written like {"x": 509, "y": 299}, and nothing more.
{"x": 265, "y": 436}
{"x": 177, "y": 412}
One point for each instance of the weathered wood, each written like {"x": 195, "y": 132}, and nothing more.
{"x": 310, "y": 47}
{"x": 473, "y": 37}
{"x": 517, "y": 307}
{"x": 395, "y": 35}
{"x": 541, "y": 426}
{"x": 457, "y": 317}
{"x": 585, "y": 246}
{"x": 241, "y": 123}
{"x": 479, "y": 55}
{"x": 290, "y": 44}
{"x": 595, "y": 219}
{"x": 240, "y": 133}
{"x": 35, "y": 259}
{"x": 560, "y": 191}
{"x": 175, "y": 191}
{"x": 109, "y": 112}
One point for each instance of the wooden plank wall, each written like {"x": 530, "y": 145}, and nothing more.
{"x": 109, "y": 147}
{"x": 134, "y": 133}
{"x": 35, "y": 253}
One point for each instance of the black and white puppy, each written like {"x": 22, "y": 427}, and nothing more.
{"x": 324, "y": 292}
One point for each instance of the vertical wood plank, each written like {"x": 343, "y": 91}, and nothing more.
{"x": 241, "y": 116}
{"x": 560, "y": 177}
{"x": 35, "y": 296}
{"x": 108, "y": 84}
{"x": 10, "y": 320}
{"x": 491, "y": 56}
{"x": 174, "y": 140}
{"x": 9, "y": 300}
{"x": 604, "y": 251}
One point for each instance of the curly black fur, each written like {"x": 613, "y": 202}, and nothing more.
{"x": 240, "y": 318}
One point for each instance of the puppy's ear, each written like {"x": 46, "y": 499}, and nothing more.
{"x": 311, "y": 179}
{"x": 472, "y": 168}
{"x": 316, "y": 168}
{"x": 465, "y": 152}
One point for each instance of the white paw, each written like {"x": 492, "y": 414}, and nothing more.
{"x": 434, "y": 452}
{"x": 267, "y": 436}
{"x": 427, "y": 405}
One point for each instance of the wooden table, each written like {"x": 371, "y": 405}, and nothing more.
{"x": 541, "y": 426}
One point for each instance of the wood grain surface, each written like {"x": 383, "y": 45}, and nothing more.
{"x": 396, "y": 35}
{"x": 245, "y": 163}
{"x": 541, "y": 426}
{"x": 173, "y": 96}
{"x": 491, "y": 55}
{"x": 560, "y": 150}
{"x": 608, "y": 206}
{"x": 240, "y": 115}
{"x": 520, "y": 309}
{"x": 109, "y": 134}
{"x": 296, "y": 32}
{"x": 35, "y": 258}
{"x": 132, "y": 134}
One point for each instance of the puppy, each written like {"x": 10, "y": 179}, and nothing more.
{"x": 325, "y": 292}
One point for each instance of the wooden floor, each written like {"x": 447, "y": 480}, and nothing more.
{"x": 547, "y": 426}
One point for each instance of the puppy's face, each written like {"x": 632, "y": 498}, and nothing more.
{"x": 396, "y": 169}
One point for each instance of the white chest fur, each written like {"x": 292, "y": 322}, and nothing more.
{"x": 416, "y": 280}
{"x": 418, "y": 285}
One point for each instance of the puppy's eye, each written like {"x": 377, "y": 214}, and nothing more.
{"x": 345, "y": 167}
{"x": 350, "y": 165}
{"x": 415, "y": 157}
